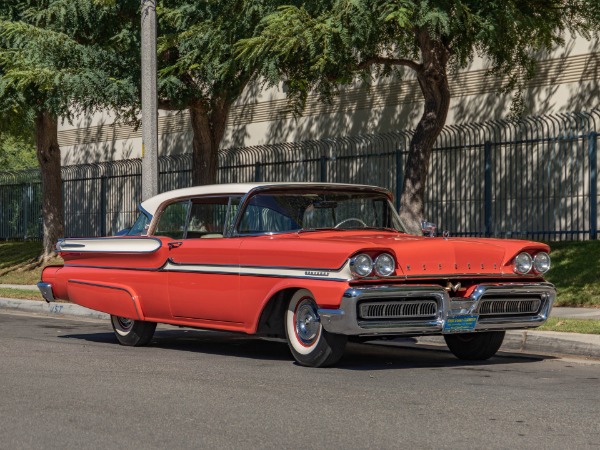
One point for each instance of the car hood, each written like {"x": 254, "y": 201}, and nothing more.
{"x": 426, "y": 256}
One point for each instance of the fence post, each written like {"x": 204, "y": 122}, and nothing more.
{"x": 399, "y": 177}
{"x": 487, "y": 187}
{"x": 593, "y": 162}
{"x": 257, "y": 172}
{"x": 103, "y": 199}
{"x": 25, "y": 204}
{"x": 323, "y": 169}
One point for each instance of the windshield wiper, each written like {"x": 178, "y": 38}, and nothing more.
{"x": 310, "y": 230}
{"x": 381, "y": 228}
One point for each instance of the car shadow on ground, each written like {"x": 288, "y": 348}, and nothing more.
{"x": 374, "y": 355}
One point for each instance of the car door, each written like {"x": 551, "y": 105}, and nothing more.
{"x": 203, "y": 264}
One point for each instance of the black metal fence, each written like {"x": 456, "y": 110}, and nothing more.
{"x": 533, "y": 178}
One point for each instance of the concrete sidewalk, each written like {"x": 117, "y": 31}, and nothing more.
{"x": 524, "y": 341}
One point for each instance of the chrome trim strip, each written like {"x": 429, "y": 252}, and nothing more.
{"x": 345, "y": 321}
{"x": 341, "y": 274}
{"x": 46, "y": 291}
{"x": 141, "y": 269}
{"x": 142, "y": 245}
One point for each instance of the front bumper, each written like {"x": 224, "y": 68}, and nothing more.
{"x": 346, "y": 319}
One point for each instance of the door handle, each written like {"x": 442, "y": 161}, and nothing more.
{"x": 174, "y": 244}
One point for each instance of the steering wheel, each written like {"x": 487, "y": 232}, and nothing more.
{"x": 350, "y": 219}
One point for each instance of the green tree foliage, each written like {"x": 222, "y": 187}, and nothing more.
{"x": 59, "y": 58}
{"x": 318, "y": 46}
{"x": 17, "y": 148}
{"x": 17, "y": 152}
{"x": 198, "y": 71}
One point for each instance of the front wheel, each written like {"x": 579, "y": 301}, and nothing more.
{"x": 475, "y": 346}
{"x": 310, "y": 344}
{"x": 135, "y": 333}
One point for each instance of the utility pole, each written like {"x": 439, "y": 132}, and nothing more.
{"x": 149, "y": 101}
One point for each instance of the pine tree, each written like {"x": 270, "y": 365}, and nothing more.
{"x": 60, "y": 58}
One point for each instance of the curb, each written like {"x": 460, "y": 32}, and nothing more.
{"x": 51, "y": 309}
{"x": 521, "y": 341}
{"x": 542, "y": 342}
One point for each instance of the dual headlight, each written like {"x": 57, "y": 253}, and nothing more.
{"x": 362, "y": 265}
{"x": 540, "y": 263}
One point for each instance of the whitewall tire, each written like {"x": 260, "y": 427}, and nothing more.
{"x": 310, "y": 344}
{"x": 135, "y": 333}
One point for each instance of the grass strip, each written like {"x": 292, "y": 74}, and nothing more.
{"x": 19, "y": 262}
{"x": 574, "y": 272}
{"x": 583, "y": 326}
{"x": 20, "y": 294}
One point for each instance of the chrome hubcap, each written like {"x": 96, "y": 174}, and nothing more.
{"x": 307, "y": 322}
{"x": 125, "y": 324}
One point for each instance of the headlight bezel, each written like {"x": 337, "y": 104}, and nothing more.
{"x": 391, "y": 264}
{"x": 536, "y": 263}
{"x": 525, "y": 261}
{"x": 357, "y": 262}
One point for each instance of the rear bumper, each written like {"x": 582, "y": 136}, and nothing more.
{"x": 346, "y": 320}
{"x": 46, "y": 290}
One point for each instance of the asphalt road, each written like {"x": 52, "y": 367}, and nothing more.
{"x": 66, "y": 384}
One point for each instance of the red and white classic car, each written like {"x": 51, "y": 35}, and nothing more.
{"x": 315, "y": 264}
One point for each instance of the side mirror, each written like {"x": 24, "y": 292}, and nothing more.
{"x": 428, "y": 228}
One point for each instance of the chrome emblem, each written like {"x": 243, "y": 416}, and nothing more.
{"x": 316, "y": 274}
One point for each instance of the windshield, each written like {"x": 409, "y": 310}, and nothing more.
{"x": 295, "y": 211}
{"x": 140, "y": 227}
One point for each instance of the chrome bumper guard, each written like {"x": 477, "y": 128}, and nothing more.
{"x": 46, "y": 290}
{"x": 345, "y": 320}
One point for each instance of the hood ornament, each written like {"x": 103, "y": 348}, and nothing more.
{"x": 446, "y": 234}
{"x": 428, "y": 228}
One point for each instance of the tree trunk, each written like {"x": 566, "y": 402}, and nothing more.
{"x": 433, "y": 81}
{"x": 208, "y": 128}
{"x": 48, "y": 155}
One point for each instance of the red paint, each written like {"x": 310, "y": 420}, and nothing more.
{"x": 136, "y": 285}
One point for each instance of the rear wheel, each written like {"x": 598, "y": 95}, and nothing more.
{"x": 310, "y": 344}
{"x": 135, "y": 333}
{"x": 475, "y": 346}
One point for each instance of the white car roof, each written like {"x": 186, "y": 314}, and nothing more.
{"x": 152, "y": 204}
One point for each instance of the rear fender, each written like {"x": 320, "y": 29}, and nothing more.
{"x": 114, "y": 299}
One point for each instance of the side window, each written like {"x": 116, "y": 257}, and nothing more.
{"x": 173, "y": 219}
{"x": 211, "y": 217}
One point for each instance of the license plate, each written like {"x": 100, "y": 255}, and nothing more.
{"x": 460, "y": 324}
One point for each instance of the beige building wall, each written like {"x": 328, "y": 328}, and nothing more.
{"x": 567, "y": 80}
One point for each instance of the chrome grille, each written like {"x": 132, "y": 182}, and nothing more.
{"x": 512, "y": 306}
{"x": 408, "y": 309}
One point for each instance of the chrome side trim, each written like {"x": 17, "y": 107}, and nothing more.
{"x": 341, "y": 274}
{"x": 46, "y": 291}
{"x": 345, "y": 320}
{"x": 109, "y": 245}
